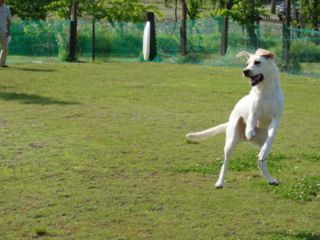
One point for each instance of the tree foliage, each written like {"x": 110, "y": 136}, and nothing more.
{"x": 309, "y": 14}
{"x": 127, "y": 10}
{"x": 94, "y": 8}
{"x": 31, "y": 9}
{"x": 194, "y": 7}
{"x": 245, "y": 12}
{"x": 112, "y": 10}
{"x": 62, "y": 8}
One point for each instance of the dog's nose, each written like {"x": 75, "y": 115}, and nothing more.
{"x": 246, "y": 72}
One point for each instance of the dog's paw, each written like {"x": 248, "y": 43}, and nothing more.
{"x": 274, "y": 182}
{"x": 218, "y": 185}
{"x": 250, "y": 134}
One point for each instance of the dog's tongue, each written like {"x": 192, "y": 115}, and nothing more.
{"x": 255, "y": 80}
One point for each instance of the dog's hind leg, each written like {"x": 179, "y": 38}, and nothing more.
{"x": 233, "y": 136}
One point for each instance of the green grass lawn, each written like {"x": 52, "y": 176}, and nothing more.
{"x": 97, "y": 151}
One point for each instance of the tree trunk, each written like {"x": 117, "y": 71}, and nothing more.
{"x": 225, "y": 30}
{"x": 314, "y": 14}
{"x": 273, "y": 6}
{"x": 73, "y": 32}
{"x": 176, "y": 10}
{"x": 183, "y": 28}
{"x": 253, "y": 38}
{"x": 286, "y": 36}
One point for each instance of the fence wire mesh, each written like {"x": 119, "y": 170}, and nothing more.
{"x": 48, "y": 40}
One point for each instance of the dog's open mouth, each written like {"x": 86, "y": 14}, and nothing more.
{"x": 255, "y": 80}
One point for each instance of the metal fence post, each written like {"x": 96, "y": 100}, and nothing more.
{"x": 93, "y": 40}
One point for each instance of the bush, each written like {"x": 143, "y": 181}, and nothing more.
{"x": 125, "y": 44}
{"x": 301, "y": 51}
{"x": 37, "y": 38}
{"x": 305, "y": 51}
{"x": 169, "y": 44}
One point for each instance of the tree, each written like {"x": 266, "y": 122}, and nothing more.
{"x": 73, "y": 31}
{"x": 247, "y": 13}
{"x": 112, "y": 10}
{"x": 62, "y": 8}
{"x": 127, "y": 10}
{"x": 183, "y": 28}
{"x": 194, "y": 7}
{"x": 31, "y": 9}
{"x": 309, "y": 14}
{"x": 273, "y": 6}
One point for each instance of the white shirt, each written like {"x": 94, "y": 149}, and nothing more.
{"x": 4, "y": 16}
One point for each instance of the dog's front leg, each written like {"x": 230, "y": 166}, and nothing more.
{"x": 265, "y": 150}
{"x": 250, "y": 126}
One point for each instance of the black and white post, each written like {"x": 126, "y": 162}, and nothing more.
{"x": 149, "y": 38}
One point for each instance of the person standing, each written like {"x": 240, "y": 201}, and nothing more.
{"x": 5, "y": 22}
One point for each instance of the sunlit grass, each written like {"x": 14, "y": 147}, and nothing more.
{"x": 97, "y": 151}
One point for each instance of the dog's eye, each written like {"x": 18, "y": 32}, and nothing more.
{"x": 257, "y": 62}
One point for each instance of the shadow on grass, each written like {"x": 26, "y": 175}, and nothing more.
{"x": 32, "y": 99}
{"x": 291, "y": 236}
{"x": 33, "y": 69}
{"x": 242, "y": 163}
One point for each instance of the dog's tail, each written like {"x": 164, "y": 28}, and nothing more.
{"x": 198, "y": 136}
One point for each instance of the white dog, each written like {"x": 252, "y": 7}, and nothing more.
{"x": 255, "y": 117}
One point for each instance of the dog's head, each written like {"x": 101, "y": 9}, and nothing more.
{"x": 259, "y": 65}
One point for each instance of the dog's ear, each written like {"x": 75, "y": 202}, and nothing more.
{"x": 264, "y": 53}
{"x": 244, "y": 54}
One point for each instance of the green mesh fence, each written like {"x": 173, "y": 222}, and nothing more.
{"x": 37, "y": 41}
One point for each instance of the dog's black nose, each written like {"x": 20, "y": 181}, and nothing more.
{"x": 246, "y": 72}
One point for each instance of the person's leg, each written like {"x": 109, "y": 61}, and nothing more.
{"x": 4, "y": 49}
